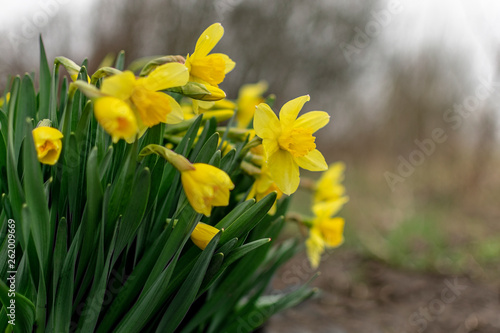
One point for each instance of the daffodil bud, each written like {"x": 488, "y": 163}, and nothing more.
{"x": 191, "y": 89}
{"x": 103, "y": 72}
{"x": 72, "y": 68}
{"x": 203, "y": 234}
{"x": 151, "y": 65}
{"x": 48, "y": 144}
{"x": 178, "y": 161}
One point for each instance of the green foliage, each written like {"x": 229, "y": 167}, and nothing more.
{"x": 102, "y": 237}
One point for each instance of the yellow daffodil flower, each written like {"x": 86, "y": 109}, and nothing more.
{"x": 206, "y": 186}
{"x": 205, "y": 68}
{"x": 264, "y": 185}
{"x": 128, "y": 97}
{"x": 48, "y": 144}
{"x": 329, "y": 187}
{"x": 326, "y": 232}
{"x": 249, "y": 96}
{"x": 289, "y": 142}
{"x": 203, "y": 234}
{"x": 117, "y": 118}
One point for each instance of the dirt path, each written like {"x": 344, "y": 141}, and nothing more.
{"x": 364, "y": 296}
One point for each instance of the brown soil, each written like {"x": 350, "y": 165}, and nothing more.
{"x": 366, "y": 296}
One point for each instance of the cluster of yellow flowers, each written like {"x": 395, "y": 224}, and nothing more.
{"x": 126, "y": 106}
{"x": 327, "y": 231}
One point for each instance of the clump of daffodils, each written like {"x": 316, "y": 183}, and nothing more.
{"x": 146, "y": 200}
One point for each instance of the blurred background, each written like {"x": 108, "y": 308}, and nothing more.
{"x": 413, "y": 93}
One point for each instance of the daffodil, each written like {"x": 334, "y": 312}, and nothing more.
{"x": 48, "y": 144}
{"x": 289, "y": 142}
{"x": 206, "y": 186}
{"x": 72, "y": 68}
{"x": 329, "y": 186}
{"x": 205, "y": 68}
{"x": 264, "y": 185}
{"x": 325, "y": 231}
{"x": 249, "y": 96}
{"x": 117, "y": 118}
{"x": 127, "y": 97}
{"x": 203, "y": 234}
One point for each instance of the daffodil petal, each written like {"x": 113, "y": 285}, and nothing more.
{"x": 313, "y": 161}
{"x": 176, "y": 114}
{"x": 291, "y": 109}
{"x": 116, "y": 117}
{"x": 327, "y": 209}
{"x": 332, "y": 231}
{"x": 166, "y": 76}
{"x": 120, "y": 85}
{"x": 44, "y": 133}
{"x": 284, "y": 171}
{"x": 265, "y": 122}
{"x": 313, "y": 120}
{"x": 270, "y": 147}
{"x": 314, "y": 247}
{"x": 155, "y": 107}
{"x": 208, "y": 39}
{"x": 252, "y": 90}
{"x": 203, "y": 234}
{"x": 48, "y": 144}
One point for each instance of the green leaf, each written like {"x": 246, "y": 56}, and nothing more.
{"x": 157, "y": 287}
{"x": 187, "y": 141}
{"x": 36, "y": 200}
{"x": 16, "y": 194}
{"x": 59, "y": 256}
{"x": 151, "y": 269}
{"x": 26, "y": 108}
{"x": 243, "y": 250}
{"x": 41, "y": 305}
{"x": 148, "y": 303}
{"x": 201, "y": 145}
{"x": 265, "y": 308}
{"x": 3, "y": 165}
{"x": 132, "y": 287}
{"x": 65, "y": 289}
{"x": 24, "y": 315}
{"x": 93, "y": 304}
{"x": 120, "y": 61}
{"x": 44, "y": 84}
{"x": 182, "y": 301}
{"x": 250, "y": 218}
{"x": 132, "y": 217}
{"x": 92, "y": 214}
{"x": 207, "y": 311}
{"x": 235, "y": 214}
{"x": 120, "y": 192}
